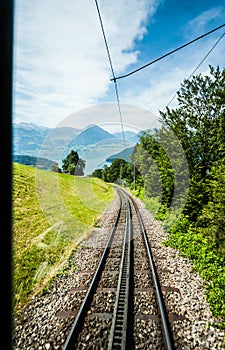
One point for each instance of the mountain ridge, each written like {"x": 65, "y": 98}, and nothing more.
{"x": 90, "y": 135}
{"x": 93, "y": 143}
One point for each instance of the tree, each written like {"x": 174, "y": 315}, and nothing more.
{"x": 55, "y": 168}
{"x": 155, "y": 166}
{"x": 212, "y": 220}
{"x": 117, "y": 170}
{"x": 98, "y": 173}
{"x": 73, "y": 165}
{"x": 79, "y": 169}
{"x": 198, "y": 122}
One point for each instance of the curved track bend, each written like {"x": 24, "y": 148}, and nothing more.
{"x": 135, "y": 278}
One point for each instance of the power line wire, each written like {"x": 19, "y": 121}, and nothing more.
{"x": 114, "y": 78}
{"x": 201, "y": 62}
{"x": 167, "y": 54}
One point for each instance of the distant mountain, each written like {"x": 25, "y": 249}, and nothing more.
{"x": 28, "y": 138}
{"x": 30, "y": 126}
{"x": 129, "y": 135}
{"x": 93, "y": 143}
{"x": 91, "y": 135}
{"x": 136, "y": 138}
{"x": 125, "y": 154}
{"x": 31, "y": 139}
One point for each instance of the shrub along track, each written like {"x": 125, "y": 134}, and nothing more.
{"x": 51, "y": 321}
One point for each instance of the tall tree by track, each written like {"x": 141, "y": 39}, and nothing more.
{"x": 197, "y": 123}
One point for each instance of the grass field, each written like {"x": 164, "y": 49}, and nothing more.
{"x": 52, "y": 212}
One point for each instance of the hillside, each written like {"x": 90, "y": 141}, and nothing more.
{"x": 33, "y": 161}
{"x": 51, "y": 213}
{"x": 125, "y": 154}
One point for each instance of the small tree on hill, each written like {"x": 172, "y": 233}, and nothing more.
{"x": 55, "y": 168}
{"x": 73, "y": 165}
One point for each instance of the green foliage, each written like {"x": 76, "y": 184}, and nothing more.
{"x": 98, "y": 173}
{"x": 117, "y": 170}
{"x": 162, "y": 165}
{"x": 211, "y": 222}
{"x": 73, "y": 165}
{"x": 120, "y": 171}
{"x": 152, "y": 204}
{"x": 207, "y": 263}
{"x": 198, "y": 123}
{"x": 161, "y": 213}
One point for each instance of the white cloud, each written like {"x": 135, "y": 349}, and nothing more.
{"x": 61, "y": 63}
{"x": 200, "y": 24}
{"x": 106, "y": 115}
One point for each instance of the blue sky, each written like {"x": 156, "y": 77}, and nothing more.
{"x": 61, "y": 69}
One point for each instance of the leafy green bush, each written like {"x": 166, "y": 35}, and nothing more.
{"x": 192, "y": 244}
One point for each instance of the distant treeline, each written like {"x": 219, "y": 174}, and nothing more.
{"x": 39, "y": 162}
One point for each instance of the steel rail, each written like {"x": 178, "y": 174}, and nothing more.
{"x": 119, "y": 328}
{"x": 118, "y": 338}
{"x": 77, "y": 325}
{"x": 168, "y": 338}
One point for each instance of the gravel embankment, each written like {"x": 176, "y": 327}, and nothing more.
{"x": 46, "y": 320}
{"x": 188, "y": 298}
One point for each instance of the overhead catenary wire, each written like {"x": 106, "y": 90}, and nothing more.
{"x": 114, "y": 78}
{"x": 167, "y": 54}
{"x": 197, "y": 67}
{"x": 201, "y": 62}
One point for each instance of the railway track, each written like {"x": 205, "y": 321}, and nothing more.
{"x": 124, "y": 280}
{"x": 49, "y": 321}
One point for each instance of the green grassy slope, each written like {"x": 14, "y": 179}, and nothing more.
{"x": 52, "y": 212}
